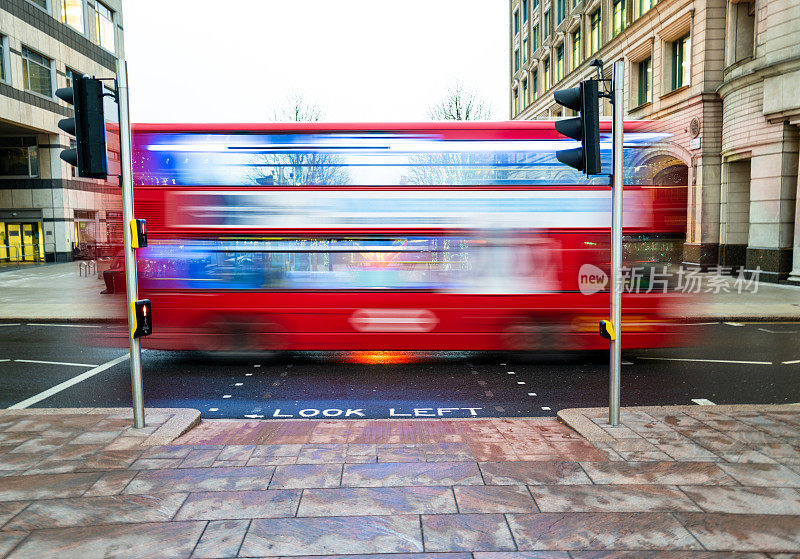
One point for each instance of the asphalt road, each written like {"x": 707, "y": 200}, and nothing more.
{"x": 52, "y": 365}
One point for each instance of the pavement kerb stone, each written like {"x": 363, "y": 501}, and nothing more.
{"x": 182, "y": 420}
{"x": 579, "y": 419}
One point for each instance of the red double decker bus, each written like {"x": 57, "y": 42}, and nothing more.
{"x": 434, "y": 236}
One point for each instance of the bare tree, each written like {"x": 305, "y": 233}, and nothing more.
{"x": 305, "y": 166}
{"x": 460, "y": 103}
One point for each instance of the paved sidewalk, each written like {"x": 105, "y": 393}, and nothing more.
{"x": 670, "y": 482}
{"x": 56, "y": 292}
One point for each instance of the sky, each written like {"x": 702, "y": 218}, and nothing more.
{"x": 357, "y": 60}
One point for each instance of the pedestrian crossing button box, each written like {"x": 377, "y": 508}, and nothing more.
{"x": 138, "y": 233}
{"x": 142, "y": 318}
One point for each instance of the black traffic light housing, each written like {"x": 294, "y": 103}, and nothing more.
{"x": 583, "y": 98}
{"x": 88, "y": 126}
{"x": 142, "y": 318}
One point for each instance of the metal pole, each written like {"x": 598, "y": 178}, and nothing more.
{"x": 130, "y": 253}
{"x": 616, "y": 243}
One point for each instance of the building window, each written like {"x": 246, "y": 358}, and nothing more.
{"x": 71, "y": 75}
{"x": 524, "y": 11}
{"x": 576, "y": 48}
{"x": 524, "y": 51}
{"x": 19, "y": 157}
{"x": 741, "y": 31}
{"x": 546, "y": 30}
{"x": 535, "y": 84}
{"x": 72, "y": 14}
{"x": 644, "y": 6}
{"x": 515, "y": 108}
{"x": 516, "y": 60}
{"x": 104, "y": 26}
{"x": 516, "y": 23}
{"x": 546, "y": 71}
{"x": 618, "y": 21}
{"x": 3, "y": 50}
{"x": 535, "y": 37}
{"x": 524, "y": 93}
{"x": 37, "y": 72}
{"x": 41, "y": 3}
{"x": 645, "y": 81}
{"x": 560, "y": 11}
{"x": 681, "y": 62}
{"x": 594, "y": 32}
{"x": 559, "y": 63}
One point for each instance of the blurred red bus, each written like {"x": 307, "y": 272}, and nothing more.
{"x": 435, "y": 236}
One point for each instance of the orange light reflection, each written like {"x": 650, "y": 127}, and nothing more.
{"x": 379, "y": 357}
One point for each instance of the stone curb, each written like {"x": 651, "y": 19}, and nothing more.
{"x": 579, "y": 419}
{"x": 182, "y": 420}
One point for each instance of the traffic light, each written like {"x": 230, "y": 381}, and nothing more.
{"x": 138, "y": 233}
{"x": 88, "y": 126}
{"x": 583, "y": 98}
{"x": 142, "y": 318}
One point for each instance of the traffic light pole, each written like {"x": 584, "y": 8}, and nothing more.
{"x": 616, "y": 241}
{"x": 130, "y": 254}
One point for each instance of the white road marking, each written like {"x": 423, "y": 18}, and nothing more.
{"x": 779, "y": 331}
{"x": 545, "y": 408}
{"x": 15, "y": 324}
{"x": 253, "y": 416}
{"x": 256, "y": 366}
{"x": 502, "y": 364}
{"x": 708, "y": 360}
{"x": 213, "y": 409}
{"x": 4, "y": 360}
{"x": 66, "y": 325}
{"x": 67, "y": 383}
{"x": 239, "y": 384}
{"x": 531, "y": 393}
{"x": 733, "y": 323}
{"x": 703, "y": 402}
{"x": 248, "y": 374}
{"x": 627, "y": 363}
{"x": 54, "y": 363}
{"x": 511, "y": 373}
{"x": 790, "y": 362}
{"x": 520, "y": 382}
{"x": 226, "y": 395}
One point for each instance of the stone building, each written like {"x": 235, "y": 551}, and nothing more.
{"x": 46, "y": 212}
{"x": 722, "y": 75}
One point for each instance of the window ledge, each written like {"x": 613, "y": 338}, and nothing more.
{"x": 639, "y": 107}
{"x": 675, "y": 91}
{"x": 41, "y": 95}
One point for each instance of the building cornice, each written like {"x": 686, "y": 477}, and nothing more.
{"x": 759, "y": 73}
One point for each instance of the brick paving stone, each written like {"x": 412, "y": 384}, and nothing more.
{"x": 45, "y": 486}
{"x": 85, "y": 511}
{"x": 660, "y": 473}
{"x": 76, "y": 451}
{"x": 688, "y": 452}
{"x": 493, "y": 499}
{"x": 746, "y": 500}
{"x": 167, "y": 451}
{"x": 155, "y": 463}
{"x": 411, "y": 474}
{"x": 9, "y": 539}
{"x": 466, "y": 532}
{"x": 160, "y": 540}
{"x": 93, "y": 437}
{"x": 110, "y": 483}
{"x": 377, "y": 501}
{"x": 521, "y": 555}
{"x": 533, "y": 473}
{"x": 277, "y": 450}
{"x": 401, "y": 455}
{"x": 642, "y": 554}
{"x": 271, "y": 460}
{"x": 746, "y": 457}
{"x": 224, "y": 505}
{"x": 221, "y": 538}
{"x": 645, "y": 530}
{"x": 8, "y": 510}
{"x": 236, "y": 452}
{"x": 200, "y": 458}
{"x": 610, "y": 498}
{"x": 770, "y": 475}
{"x": 40, "y": 445}
{"x": 306, "y": 476}
{"x": 744, "y": 532}
{"x": 111, "y": 459}
{"x": 332, "y": 535}
{"x": 645, "y": 456}
{"x": 312, "y": 455}
{"x": 199, "y": 479}
{"x": 19, "y": 462}
{"x": 55, "y": 467}
{"x": 492, "y": 451}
